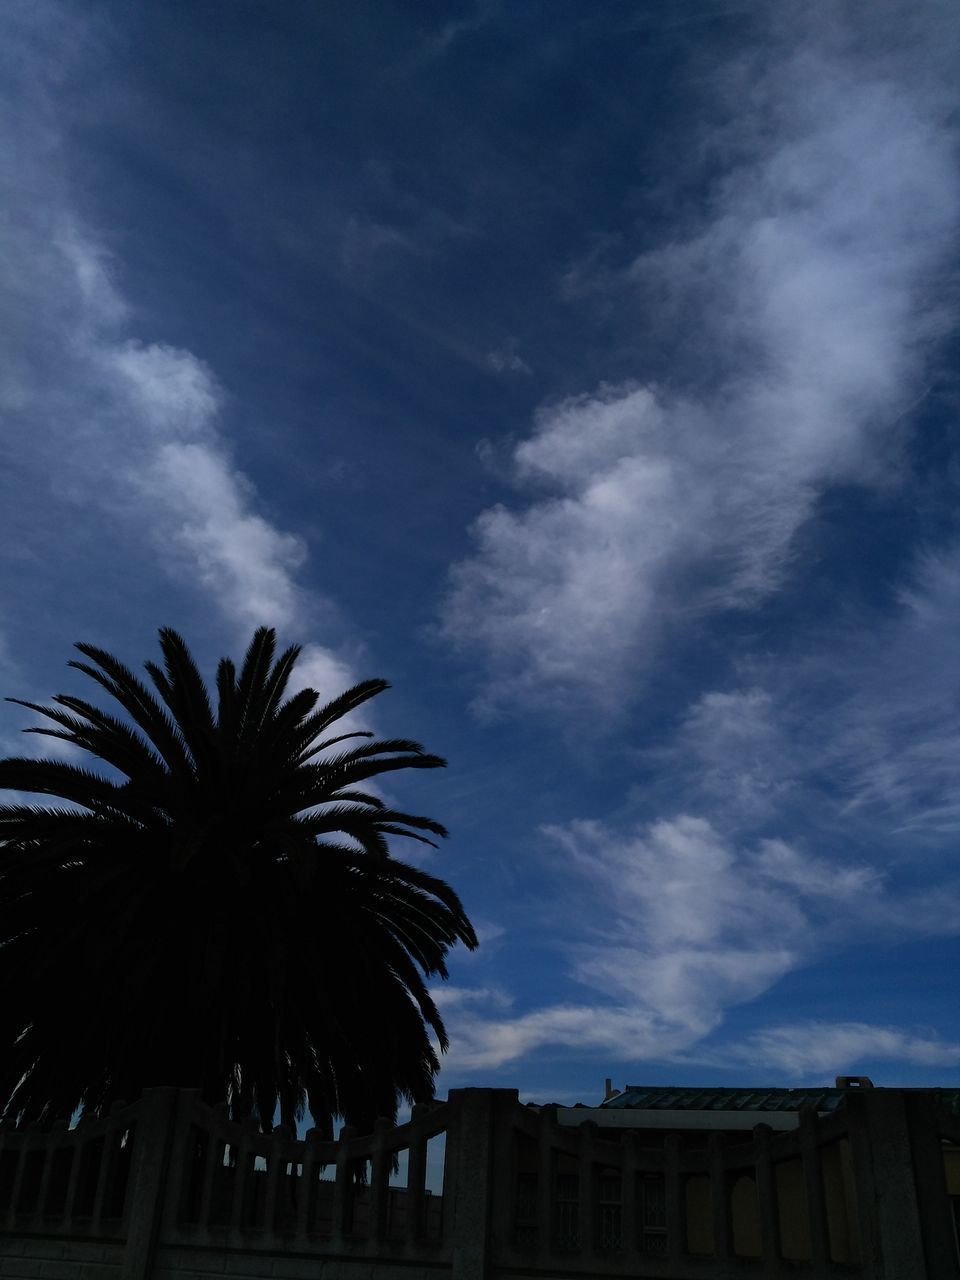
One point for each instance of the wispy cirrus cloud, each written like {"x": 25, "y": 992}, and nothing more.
{"x": 804, "y": 307}
{"x": 205, "y": 509}
{"x": 121, "y": 426}
{"x": 507, "y": 359}
{"x": 858, "y": 738}
{"x": 898, "y": 734}
{"x": 816, "y": 1049}
{"x": 731, "y": 748}
{"x": 436, "y": 44}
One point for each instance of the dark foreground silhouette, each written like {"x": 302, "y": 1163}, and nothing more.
{"x": 218, "y": 908}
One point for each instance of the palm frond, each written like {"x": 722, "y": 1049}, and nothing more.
{"x": 181, "y": 688}
{"x": 138, "y": 702}
{"x": 277, "y": 681}
{"x": 332, "y": 742}
{"x": 227, "y": 699}
{"x": 254, "y": 674}
{"x": 95, "y": 731}
{"x": 338, "y": 707}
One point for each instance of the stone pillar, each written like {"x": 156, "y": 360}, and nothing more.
{"x": 477, "y": 1159}
{"x": 720, "y": 1200}
{"x": 673, "y": 1190}
{"x": 546, "y": 1183}
{"x": 767, "y": 1199}
{"x": 890, "y": 1232}
{"x": 813, "y": 1184}
{"x": 936, "y": 1219}
{"x": 154, "y": 1136}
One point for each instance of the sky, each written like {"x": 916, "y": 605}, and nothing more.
{"x": 588, "y": 371}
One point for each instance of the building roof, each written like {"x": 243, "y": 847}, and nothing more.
{"x": 680, "y": 1098}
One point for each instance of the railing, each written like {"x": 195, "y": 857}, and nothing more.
{"x": 861, "y": 1192}
{"x": 589, "y": 1199}
{"x": 238, "y": 1188}
{"x": 171, "y": 1171}
{"x": 69, "y": 1181}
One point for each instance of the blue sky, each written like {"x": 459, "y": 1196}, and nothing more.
{"x": 589, "y": 372}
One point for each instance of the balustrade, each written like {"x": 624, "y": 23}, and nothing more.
{"x": 520, "y": 1191}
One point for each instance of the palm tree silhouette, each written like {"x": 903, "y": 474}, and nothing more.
{"x": 218, "y": 909}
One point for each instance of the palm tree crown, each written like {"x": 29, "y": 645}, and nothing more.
{"x": 220, "y": 908}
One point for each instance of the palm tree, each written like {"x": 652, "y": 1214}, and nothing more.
{"x": 219, "y": 908}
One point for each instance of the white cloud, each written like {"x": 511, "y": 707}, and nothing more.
{"x": 449, "y": 997}
{"x": 172, "y": 393}
{"x": 131, "y": 429}
{"x": 670, "y": 926}
{"x": 698, "y": 923}
{"x": 204, "y": 506}
{"x": 816, "y": 1048}
{"x": 732, "y": 744}
{"x": 435, "y": 44}
{"x": 489, "y": 933}
{"x": 483, "y": 1043}
{"x": 90, "y": 266}
{"x": 507, "y": 360}
{"x": 778, "y": 863}
{"x": 860, "y": 735}
{"x": 159, "y": 459}
{"x": 366, "y": 244}
{"x": 320, "y": 669}
{"x": 808, "y": 301}
{"x": 897, "y": 736}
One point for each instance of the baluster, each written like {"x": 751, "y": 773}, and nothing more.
{"x": 48, "y": 1167}
{"x": 343, "y": 1189}
{"x": 813, "y": 1183}
{"x": 588, "y": 1190}
{"x": 242, "y": 1174}
{"x": 673, "y": 1201}
{"x": 546, "y": 1181}
{"x": 305, "y": 1187}
{"x": 6, "y": 1217}
{"x": 182, "y": 1156}
{"x": 213, "y": 1158}
{"x": 629, "y": 1227}
{"x": 379, "y": 1178}
{"x": 719, "y": 1199}
{"x": 293, "y": 1188}
{"x": 416, "y": 1182}
{"x": 24, "y": 1146}
{"x": 108, "y": 1162}
{"x": 73, "y": 1180}
{"x": 8, "y": 1142}
{"x": 276, "y": 1164}
{"x": 766, "y": 1197}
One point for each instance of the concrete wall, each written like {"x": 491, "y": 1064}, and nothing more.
{"x": 199, "y": 1264}
{"x": 30, "y": 1257}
